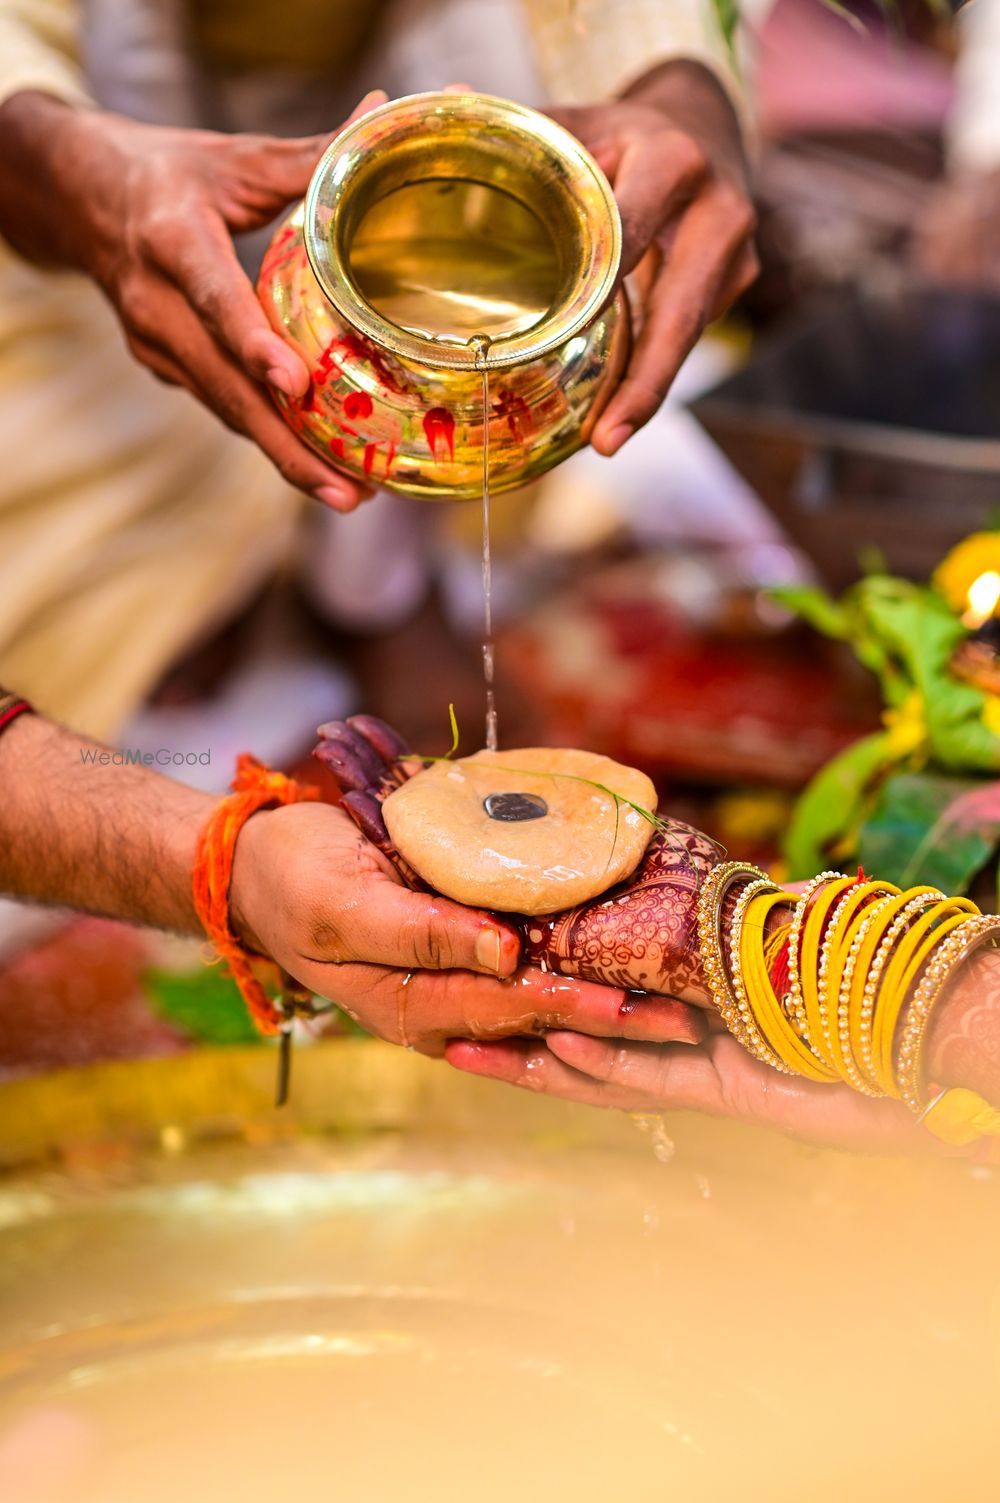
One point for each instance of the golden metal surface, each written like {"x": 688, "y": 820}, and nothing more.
{"x": 430, "y": 221}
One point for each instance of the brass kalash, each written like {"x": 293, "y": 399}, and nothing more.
{"x": 445, "y": 234}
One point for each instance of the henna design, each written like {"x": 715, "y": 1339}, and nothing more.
{"x": 639, "y": 936}
{"x": 963, "y": 1044}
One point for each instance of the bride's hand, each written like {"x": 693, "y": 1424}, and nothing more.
{"x": 642, "y": 934}
{"x": 718, "y": 1077}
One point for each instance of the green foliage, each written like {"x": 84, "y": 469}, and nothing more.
{"x": 727, "y": 16}
{"x": 815, "y": 606}
{"x": 919, "y": 633}
{"x": 831, "y": 809}
{"x": 204, "y": 1004}
{"x": 930, "y": 829}
{"x": 875, "y": 799}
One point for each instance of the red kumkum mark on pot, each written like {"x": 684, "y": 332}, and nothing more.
{"x": 517, "y": 412}
{"x": 278, "y": 254}
{"x": 439, "y": 426}
{"x": 350, "y": 346}
{"x": 357, "y": 404}
{"x": 337, "y": 447}
{"x": 370, "y": 451}
{"x": 326, "y": 366}
{"x": 331, "y": 365}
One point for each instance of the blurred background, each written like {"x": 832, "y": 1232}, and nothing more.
{"x": 843, "y": 421}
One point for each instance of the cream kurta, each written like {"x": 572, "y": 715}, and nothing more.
{"x": 131, "y": 520}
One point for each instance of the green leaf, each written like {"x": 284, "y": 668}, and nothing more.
{"x": 834, "y": 804}
{"x": 815, "y": 606}
{"x": 921, "y": 633}
{"x": 872, "y": 560}
{"x": 727, "y": 15}
{"x": 205, "y": 1004}
{"x": 930, "y": 828}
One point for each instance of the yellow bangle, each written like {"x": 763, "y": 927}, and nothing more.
{"x": 813, "y": 932}
{"x": 906, "y": 906}
{"x": 908, "y": 958}
{"x": 861, "y": 979}
{"x": 793, "y": 1003}
{"x": 861, "y": 940}
{"x": 834, "y": 950}
{"x": 771, "y": 1019}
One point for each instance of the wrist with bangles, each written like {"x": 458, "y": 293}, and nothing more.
{"x": 846, "y": 990}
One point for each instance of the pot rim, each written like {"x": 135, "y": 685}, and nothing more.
{"x": 336, "y": 174}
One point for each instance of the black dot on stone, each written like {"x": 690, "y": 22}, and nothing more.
{"x": 513, "y": 807}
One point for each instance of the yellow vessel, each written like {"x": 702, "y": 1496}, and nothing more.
{"x": 441, "y": 233}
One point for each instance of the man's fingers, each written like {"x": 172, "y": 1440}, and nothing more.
{"x": 426, "y": 1007}
{"x": 196, "y": 250}
{"x": 652, "y": 182}
{"x": 156, "y": 359}
{"x": 709, "y": 237}
{"x": 369, "y": 101}
{"x": 417, "y": 931}
{"x": 533, "y": 1002}
{"x": 742, "y": 274}
{"x": 199, "y": 258}
{"x": 282, "y": 167}
{"x": 167, "y": 321}
{"x": 245, "y": 408}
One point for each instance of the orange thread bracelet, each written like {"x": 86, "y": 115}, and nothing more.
{"x": 254, "y": 787}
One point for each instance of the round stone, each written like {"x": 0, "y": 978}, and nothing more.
{"x": 528, "y": 830}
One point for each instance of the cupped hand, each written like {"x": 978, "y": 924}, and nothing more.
{"x": 638, "y": 936}
{"x": 150, "y": 212}
{"x": 311, "y": 892}
{"x": 718, "y": 1077}
{"x": 672, "y": 150}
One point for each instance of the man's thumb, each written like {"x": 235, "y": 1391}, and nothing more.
{"x": 289, "y": 164}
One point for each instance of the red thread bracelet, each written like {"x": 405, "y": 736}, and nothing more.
{"x": 11, "y": 708}
{"x": 254, "y": 787}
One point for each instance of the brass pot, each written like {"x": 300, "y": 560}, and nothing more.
{"x": 428, "y": 222}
